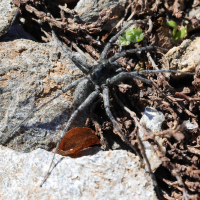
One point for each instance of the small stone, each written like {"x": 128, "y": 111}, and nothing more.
{"x": 189, "y": 125}
{"x": 152, "y": 121}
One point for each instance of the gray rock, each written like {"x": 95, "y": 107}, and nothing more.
{"x": 184, "y": 57}
{"x": 88, "y": 10}
{"x": 7, "y": 14}
{"x": 31, "y": 73}
{"x": 105, "y": 175}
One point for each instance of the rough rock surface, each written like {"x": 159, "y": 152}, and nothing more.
{"x": 31, "y": 73}
{"x": 88, "y": 10}
{"x": 152, "y": 121}
{"x": 184, "y": 57}
{"x": 7, "y": 13}
{"x": 105, "y": 175}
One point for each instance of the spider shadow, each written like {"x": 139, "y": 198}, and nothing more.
{"x": 15, "y": 32}
{"x": 43, "y": 130}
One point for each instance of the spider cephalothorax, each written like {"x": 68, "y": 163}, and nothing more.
{"x": 101, "y": 72}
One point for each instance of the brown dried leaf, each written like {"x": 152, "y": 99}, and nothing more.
{"x": 16, "y": 2}
{"x": 193, "y": 186}
{"x": 194, "y": 149}
{"x": 155, "y": 5}
{"x": 76, "y": 140}
{"x": 176, "y": 9}
{"x": 31, "y": 9}
{"x": 178, "y": 14}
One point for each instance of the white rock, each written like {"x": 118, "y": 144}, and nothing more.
{"x": 152, "y": 120}
{"x": 105, "y": 175}
{"x": 189, "y": 125}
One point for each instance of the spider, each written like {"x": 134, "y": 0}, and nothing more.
{"x": 102, "y": 76}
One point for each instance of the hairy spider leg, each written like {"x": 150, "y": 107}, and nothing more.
{"x": 123, "y": 75}
{"x": 162, "y": 71}
{"x": 112, "y": 119}
{"x": 68, "y": 52}
{"x": 124, "y": 53}
{"x": 84, "y": 105}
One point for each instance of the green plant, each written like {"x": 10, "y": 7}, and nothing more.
{"x": 132, "y": 34}
{"x": 176, "y": 35}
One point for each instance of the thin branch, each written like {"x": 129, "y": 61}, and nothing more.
{"x": 150, "y": 27}
{"x": 82, "y": 53}
{"x": 152, "y": 61}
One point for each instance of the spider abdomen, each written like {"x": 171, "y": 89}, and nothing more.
{"x": 83, "y": 89}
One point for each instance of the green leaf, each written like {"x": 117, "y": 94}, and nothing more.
{"x": 130, "y": 28}
{"x": 172, "y": 24}
{"x": 181, "y": 33}
{"x": 123, "y": 41}
{"x": 134, "y": 31}
{"x": 174, "y": 32}
{"x": 138, "y": 32}
{"x": 129, "y": 36}
{"x": 140, "y": 38}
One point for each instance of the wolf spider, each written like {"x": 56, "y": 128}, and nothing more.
{"x": 103, "y": 75}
